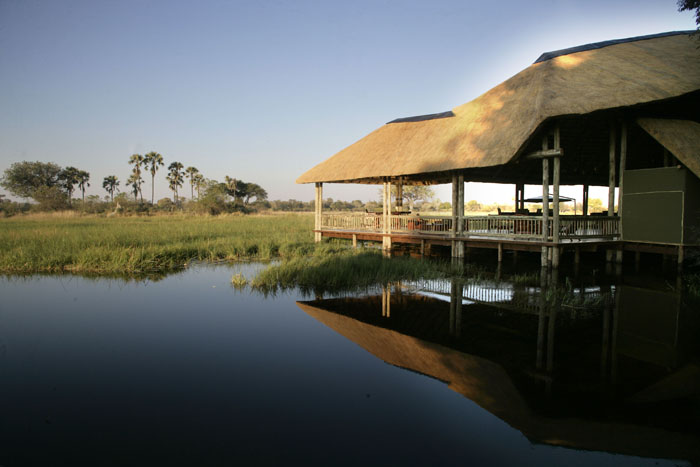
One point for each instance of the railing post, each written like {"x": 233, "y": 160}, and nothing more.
{"x": 319, "y": 212}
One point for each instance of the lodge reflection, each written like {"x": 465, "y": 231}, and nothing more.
{"x": 609, "y": 367}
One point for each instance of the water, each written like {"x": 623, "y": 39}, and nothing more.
{"x": 185, "y": 370}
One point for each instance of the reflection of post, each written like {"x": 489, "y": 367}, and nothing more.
{"x": 456, "y": 292}
{"x": 453, "y": 307}
{"x": 606, "y": 336}
{"x": 541, "y": 319}
{"x": 552, "y": 319}
{"x": 386, "y": 300}
{"x": 615, "y": 320}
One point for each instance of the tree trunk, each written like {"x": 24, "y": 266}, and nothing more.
{"x": 153, "y": 187}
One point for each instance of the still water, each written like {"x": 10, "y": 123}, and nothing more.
{"x": 186, "y": 370}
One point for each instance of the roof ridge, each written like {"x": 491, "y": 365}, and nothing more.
{"x": 599, "y": 45}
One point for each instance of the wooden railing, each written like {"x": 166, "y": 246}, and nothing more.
{"x": 518, "y": 227}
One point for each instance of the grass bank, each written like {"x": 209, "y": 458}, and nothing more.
{"x": 347, "y": 271}
{"x": 54, "y": 243}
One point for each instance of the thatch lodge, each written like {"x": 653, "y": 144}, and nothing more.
{"x": 621, "y": 113}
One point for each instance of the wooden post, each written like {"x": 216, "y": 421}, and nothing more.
{"x": 399, "y": 194}
{"x": 500, "y": 252}
{"x": 623, "y": 164}
{"x": 545, "y": 205}
{"x": 611, "y": 172}
{"x": 455, "y": 201}
{"x": 460, "y": 215}
{"x": 354, "y": 240}
{"x": 386, "y": 231}
{"x": 319, "y": 212}
{"x": 584, "y": 205}
{"x": 422, "y": 247}
{"x": 555, "y": 196}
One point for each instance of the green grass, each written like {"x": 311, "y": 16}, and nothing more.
{"x": 91, "y": 244}
{"x": 347, "y": 271}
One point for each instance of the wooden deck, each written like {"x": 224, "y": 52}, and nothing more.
{"x": 508, "y": 232}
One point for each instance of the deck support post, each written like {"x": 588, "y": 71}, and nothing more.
{"x": 545, "y": 205}
{"x": 577, "y": 256}
{"x": 386, "y": 231}
{"x": 611, "y": 171}
{"x": 399, "y": 195}
{"x": 319, "y": 208}
{"x": 500, "y": 252}
{"x": 555, "y": 198}
{"x": 457, "y": 214}
{"x": 354, "y": 240}
{"x": 460, "y": 215}
{"x": 623, "y": 164}
{"x": 422, "y": 247}
{"x": 584, "y": 202}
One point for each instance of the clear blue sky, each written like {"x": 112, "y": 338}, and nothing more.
{"x": 264, "y": 90}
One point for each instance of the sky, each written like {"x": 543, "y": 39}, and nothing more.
{"x": 264, "y": 90}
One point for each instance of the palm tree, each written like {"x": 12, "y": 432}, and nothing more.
{"x": 198, "y": 183}
{"x": 134, "y": 181}
{"x": 83, "y": 178}
{"x": 175, "y": 176}
{"x": 68, "y": 178}
{"x": 110, "y": 183}
{"x": 192, "y": 172}
{"x": 152, "y": 161}
{"x": 137, "y": 160}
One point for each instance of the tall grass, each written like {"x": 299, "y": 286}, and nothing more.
{"x": 142, "y": 244}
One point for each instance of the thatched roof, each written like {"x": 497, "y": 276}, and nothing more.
{"x": 494, "y": 128}
{"x": 680, "y": 137}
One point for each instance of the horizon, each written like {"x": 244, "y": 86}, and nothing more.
{"x": 263, "y": 92}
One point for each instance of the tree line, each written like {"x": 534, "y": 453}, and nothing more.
{"x": 52, "y": 187}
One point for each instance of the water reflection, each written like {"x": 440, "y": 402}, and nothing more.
{"x": 608, "y": 367}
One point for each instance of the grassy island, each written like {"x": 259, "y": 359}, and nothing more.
{"x": 75, "y": 243}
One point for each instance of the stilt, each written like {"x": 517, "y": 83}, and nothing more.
{"x": 354, "y": 240}
{"x": 319, "y": 211}
{"x": 545, "y": 205}
{"x": 577, "y": 256}
{"x": 555, "y": 198}
{"x": 386, "y": 238}
{"x": 500, "y": 253}
{"x": 611, "y": 172}
{"x": 422, "y": 247}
